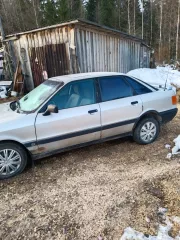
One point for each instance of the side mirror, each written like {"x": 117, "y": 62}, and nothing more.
{"x": 51, "y": 109}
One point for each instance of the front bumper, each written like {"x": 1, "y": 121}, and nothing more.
{"x": 167, "y": 116}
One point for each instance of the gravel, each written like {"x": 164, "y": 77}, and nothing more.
{"x": 94, "y": 192}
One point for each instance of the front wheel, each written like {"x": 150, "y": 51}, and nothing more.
{"x": 13, "y": 160}
{"x": 146, "y": 131}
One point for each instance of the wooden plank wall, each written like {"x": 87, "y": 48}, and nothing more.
{"x": 100, "y": 51}
{"x": 86, "y": 49}
{"x": 44, "y": 48}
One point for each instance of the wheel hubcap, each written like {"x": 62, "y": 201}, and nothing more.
{"x": 10, "y": 161}
{"x": 148, "y": 131}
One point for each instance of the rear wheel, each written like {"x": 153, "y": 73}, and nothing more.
{"x": 13, "y": 160}
{"x": 146, "y": 131}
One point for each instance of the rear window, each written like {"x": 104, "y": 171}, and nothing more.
{"x": 147, "y": 84}
{"x": 114, "y": 88}
{"x": 138, "y": 87}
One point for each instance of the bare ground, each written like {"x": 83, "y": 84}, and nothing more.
{"x": 93, "y": 191}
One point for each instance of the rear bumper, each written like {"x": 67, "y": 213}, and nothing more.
{"x": 167, "y": 116}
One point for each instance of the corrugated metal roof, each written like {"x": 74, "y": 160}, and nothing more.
{"x": 44, "y": 28}
{"x": 83, "y": 23}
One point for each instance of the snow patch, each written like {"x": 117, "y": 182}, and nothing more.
{"x": 169, "y": 155}
{"x": 176, "y": 148}
{"x": 157, "y": 77}
{"x": 167, "y": 146}
{"x": 163, "y": 230}
{"x": 3, "y": 92}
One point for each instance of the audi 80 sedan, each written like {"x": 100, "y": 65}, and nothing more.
{"x": 77, "y": 110}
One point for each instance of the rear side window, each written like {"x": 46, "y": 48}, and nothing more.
{"x": 138, "y": 87}
{"x": 114, "y": 88}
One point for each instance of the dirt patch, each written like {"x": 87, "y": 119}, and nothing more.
{"x": 93, "y": 191}
{"x": 163, "y": 191}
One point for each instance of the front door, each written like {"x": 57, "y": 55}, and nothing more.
{"x": 119, "y": 107}
{"x": 76, "y": 123}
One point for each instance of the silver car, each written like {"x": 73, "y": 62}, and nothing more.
{"x": 77, "y": 110}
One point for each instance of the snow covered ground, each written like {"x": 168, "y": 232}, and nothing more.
{"x": 163, "y": 230}
{"x": 176, "y": 149}
{"x": 157, "y": 76}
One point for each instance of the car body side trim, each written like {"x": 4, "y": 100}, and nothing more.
{"x": 166, "y": 115}
{"x": 69, "y": 135}
{"x": 46, "y": 154}
{"x": 118, "y": 124}
{"x": 80, "y": 133}
{"x": 30, "y": 144}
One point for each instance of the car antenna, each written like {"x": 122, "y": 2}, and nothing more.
{"x": 166, "y": 79}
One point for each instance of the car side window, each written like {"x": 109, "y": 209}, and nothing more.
{"x": 114, "y": 88}
{"x": 138, "y": 87}
{"x": 75, "y": 94}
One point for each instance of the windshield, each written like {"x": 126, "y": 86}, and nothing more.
{"x": 36, "y": 97}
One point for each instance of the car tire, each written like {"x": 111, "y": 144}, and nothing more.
{"x": 146, "y": 131}
{"x": 13, "y": 160}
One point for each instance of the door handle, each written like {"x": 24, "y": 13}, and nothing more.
{"x": 92, "y": 111}
{"x": 134, "y": 103}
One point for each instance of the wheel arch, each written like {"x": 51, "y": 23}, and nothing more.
{"x": 30, "y": 160}
{"x": 154, "y": 114}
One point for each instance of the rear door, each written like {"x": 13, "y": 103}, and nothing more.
{"x": 120, "y": 108}
{"x": 76, "y": 123}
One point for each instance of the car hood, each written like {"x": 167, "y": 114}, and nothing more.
{"x": 7, "y": 114}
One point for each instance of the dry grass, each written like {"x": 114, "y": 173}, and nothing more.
{"x": 97, "y": 190}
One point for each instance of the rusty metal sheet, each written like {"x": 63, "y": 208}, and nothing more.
{"x": 51, "y": 58}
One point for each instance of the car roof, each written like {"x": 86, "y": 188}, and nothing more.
{"x": 81, "y": 76}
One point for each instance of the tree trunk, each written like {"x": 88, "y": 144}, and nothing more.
{"x": 142, "y": 19}
{"x": 19, "y": 17}
{"x": 151, "y": 22}
{"x": 35, "y": 13}
{"x": 119, "y": 14}
{"x": 129, "y": 23}
{"x": 160, "y": 27}
{"x": 177, "y": 34}
{"x": 169, "y": 37}
{"x": 134, "y": 17}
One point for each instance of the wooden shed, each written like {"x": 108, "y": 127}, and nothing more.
{"x": 73, "y": 47}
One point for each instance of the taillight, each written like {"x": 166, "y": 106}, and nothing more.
{"x": 174, "y": 100}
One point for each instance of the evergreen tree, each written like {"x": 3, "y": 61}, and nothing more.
{"x": 76, "y": 9}
{"x": 107, "y": 11}
{"x": 150, "y": 22}
{"x": 91, "y": 9}
{"x": 49, "y": 12}
{"x": 62, "y": 10}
